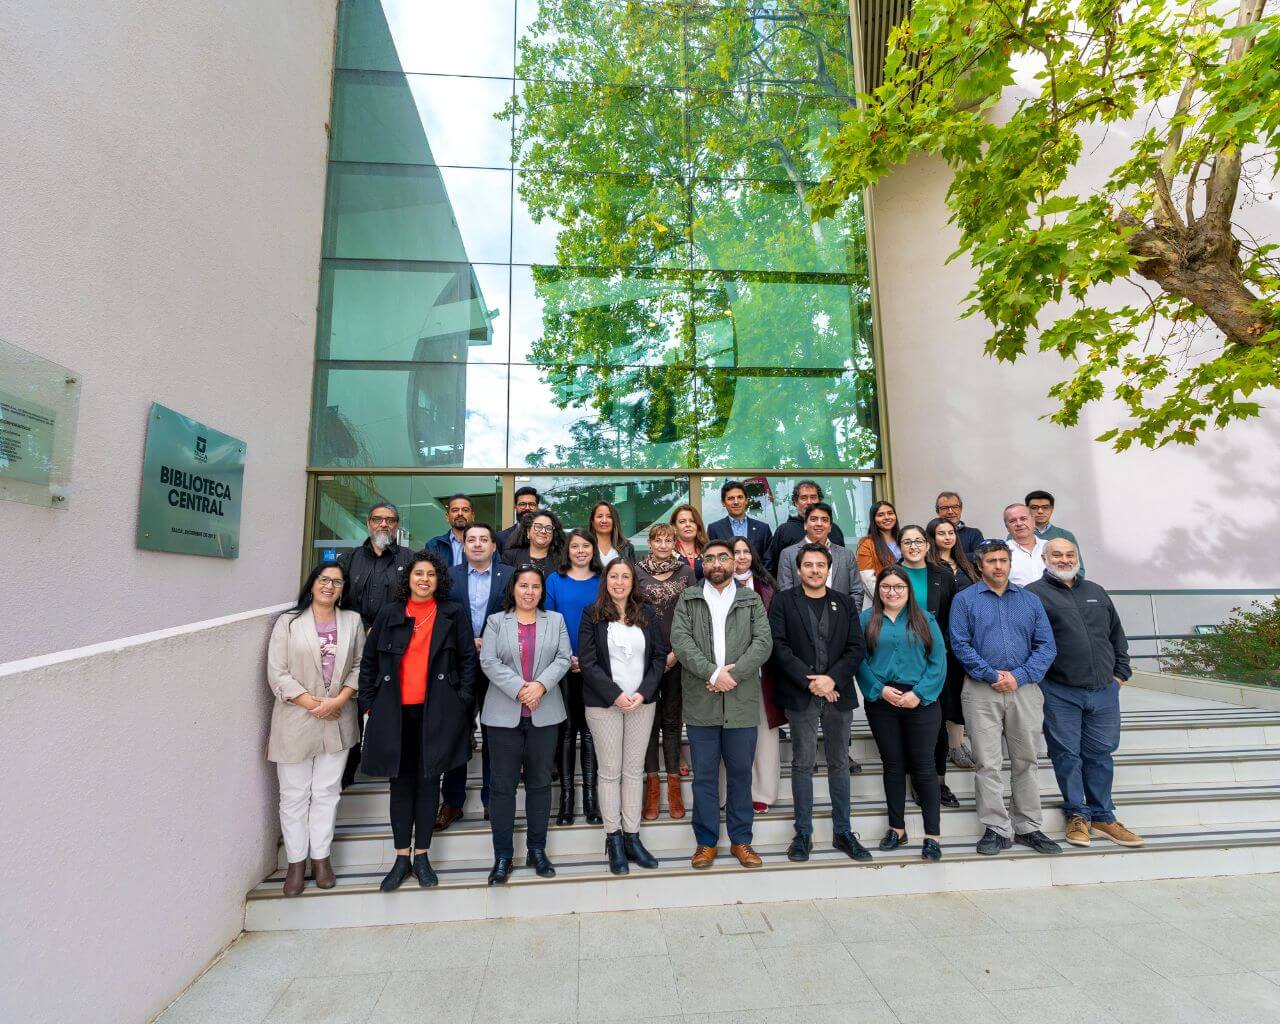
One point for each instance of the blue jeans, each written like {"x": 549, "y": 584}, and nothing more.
{"x": 1082, "y": 730}
{"x": 708, "y": 745}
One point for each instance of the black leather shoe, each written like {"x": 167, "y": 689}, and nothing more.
{"x": 800, "y": 848}
{"x": 542, "y": 867}
{"x": 398, "y": 873}
{"x": 847, "y": 842}
{"x": 616, "y": 853}
{"x": 501, "y": 871}
{"x": 992, "y": 842}
{"x": 931, "y": 850}
{"x": 565, "y": 815}
{"x": 892, "y": 840}
{"x": 1038, "y": 841}
{"x": 636, "y": 853}
{"x": 422, "y": 870}
{"x": 948, "y": 798}
{"x": 855, "y": 767}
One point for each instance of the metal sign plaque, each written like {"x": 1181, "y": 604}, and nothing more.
{"x": 192, "y": 476}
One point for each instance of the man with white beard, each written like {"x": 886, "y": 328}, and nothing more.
{"x": 374, "y": 574}
{"x": 1082, "y": 694}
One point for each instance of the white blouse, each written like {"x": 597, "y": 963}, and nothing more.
{"x": 626, "y": 656}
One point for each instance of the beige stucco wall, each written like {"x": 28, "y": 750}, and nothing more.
{"x": 1200, "y": 517}
{"x": 162, "y": 182}
{"x": 139, "y": 810}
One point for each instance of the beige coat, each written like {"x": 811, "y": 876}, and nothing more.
{"x": 293, "y": 668}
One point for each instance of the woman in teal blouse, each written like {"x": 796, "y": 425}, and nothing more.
{"x": 901, "y": 678}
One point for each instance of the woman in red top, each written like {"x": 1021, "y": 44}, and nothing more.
{"x": 416, "y": 682}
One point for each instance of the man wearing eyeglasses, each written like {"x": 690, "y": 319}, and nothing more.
{"x": 1041, "y": 505}
{"x": 720, "y": 634}
{"x": 1002, "y": 637}
{"x": 527, "y": 502}
{"x": 374, "y": 572}
{"x": 948, "y": 506}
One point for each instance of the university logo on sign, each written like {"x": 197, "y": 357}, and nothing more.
{"x": 202, "y": 449}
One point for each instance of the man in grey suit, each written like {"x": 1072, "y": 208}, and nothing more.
{"x": 844, "y": 577}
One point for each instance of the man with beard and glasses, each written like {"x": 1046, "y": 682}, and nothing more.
{"x": 720, "y": 633}
{"x": 1082, "y": 694}
{"x": 803, "y": 494}
{"x": 375, "y": 572}
{"x": 449, "y": 545}
{"x": 527, "y": 502}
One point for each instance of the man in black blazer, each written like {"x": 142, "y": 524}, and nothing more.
{"x": 733, "y": 496}
{"x": 527, "y": 502}
{"x": 817, "y": 645}
{"x": 478, "y": 585}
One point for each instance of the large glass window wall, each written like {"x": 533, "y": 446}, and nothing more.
{"x": 574, "y": 234}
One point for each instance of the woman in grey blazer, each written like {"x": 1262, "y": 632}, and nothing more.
{"x": 524, "y": 654}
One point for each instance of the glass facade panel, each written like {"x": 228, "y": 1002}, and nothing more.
{"x": 402, "y": 311}
{"x": 415, "y": 414}
{"x": 574, "y": 235}
{"x": 383, "y": 117}
{"x": 640, "y": 502}
{"x": 343, "y": 501}
{"x": 770, "y": 500}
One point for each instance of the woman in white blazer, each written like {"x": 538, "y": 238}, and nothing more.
{"x": 524, "y": 654}
{"x": 313, "y": 668}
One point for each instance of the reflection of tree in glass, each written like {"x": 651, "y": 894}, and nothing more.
{"x": 681, "y": 138}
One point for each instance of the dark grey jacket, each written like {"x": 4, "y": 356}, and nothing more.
{"x": 1092, "y": 649}
{"x": 372, "y": 579}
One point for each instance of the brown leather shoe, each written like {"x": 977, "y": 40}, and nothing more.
{"x": 322, "y": 872}
{"x": 446, "y": 816}
{"x": 703, "y": 857}
{"x": 651, "y": 796}
{"x": 747, "y": 857}
{"x": 675, "y": 800}
{"x": 295, "y": 878}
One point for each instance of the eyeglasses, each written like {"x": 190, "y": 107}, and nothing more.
{"x": 540, "y": 528}
{"x": 947, "y": 508}
{"x": 1040, "y": 507}
{"x": 717, "y": 559}
{"x": 384, "y": 520}
{"x": 915, "y": 542}
{"x": 892, "y": 588}
{"x": 325, "y": 583}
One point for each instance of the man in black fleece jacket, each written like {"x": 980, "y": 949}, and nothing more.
{"x": 1082, "y": 694}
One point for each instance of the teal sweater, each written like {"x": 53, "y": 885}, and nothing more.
{"x": 899, "y": 657}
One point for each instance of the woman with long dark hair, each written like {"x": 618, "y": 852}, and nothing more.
{"x": 878, "y": 548}
{"x": 766, "y": 769}
{"x": 417, "y": 684}
{"x": 570, "y": 591}
{"x": 313, "y": 666}
{"x": 605, "y": 527}
{"x": 946, "y": 551}
{"x": 691, "y": 537}
{"x": 524, "y": 654}
{"x": 539, "y": 541}
{"x": 660, "y": 578}
{"x": 622, "y": 655}
{"x": 901, "y": 678}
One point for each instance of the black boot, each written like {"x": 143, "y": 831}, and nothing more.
{"x": 635, "y": 851}
{"x": 398, "y": 873}
{"x": 590, "y": 799}
{"x": 565, "y": 751}
{"x": 542, "y": 867}
{"x": 501, "y": 871}
{"x": 616, "y": 853}
{"x": 422, "y": 870}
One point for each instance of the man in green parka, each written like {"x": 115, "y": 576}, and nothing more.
{"x": 720, "y": 633}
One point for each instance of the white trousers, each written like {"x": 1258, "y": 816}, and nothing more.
{"x": 309, "y": 792}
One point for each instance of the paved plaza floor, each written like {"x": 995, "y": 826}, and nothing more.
{"x": 1196, "y": 950}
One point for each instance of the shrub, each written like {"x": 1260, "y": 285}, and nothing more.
{"x": 1245, "y": 648}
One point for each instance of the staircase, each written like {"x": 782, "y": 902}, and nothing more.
{"x": 1200, "y": 780}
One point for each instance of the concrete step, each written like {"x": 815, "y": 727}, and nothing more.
{"x": 583, "y": 884}
{"x": 367, "y": 802}
{"x": 369, "y": 845}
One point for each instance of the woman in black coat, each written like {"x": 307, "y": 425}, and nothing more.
{"x": 622, "y": 656}
{"x": 417, "y": 676}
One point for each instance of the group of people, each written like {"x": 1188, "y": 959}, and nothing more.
{"x": 582, "y": 662}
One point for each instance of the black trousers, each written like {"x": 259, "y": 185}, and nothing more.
{"x": 907, "y": 738}
{"x": 571, "y": 730}
{"x": 669, "y": 721}
{"x": 530, "y": 748}
{"x": 414, "y": 798}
